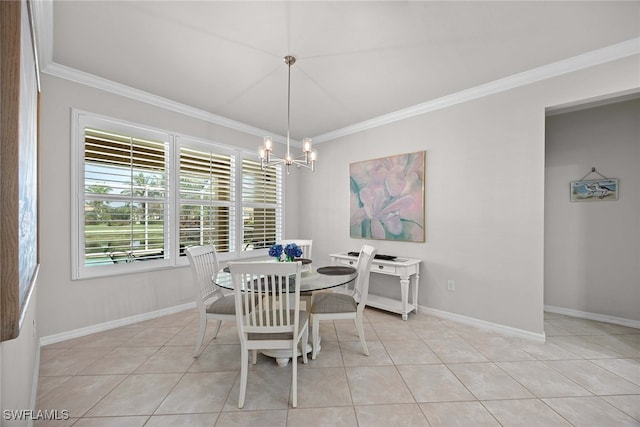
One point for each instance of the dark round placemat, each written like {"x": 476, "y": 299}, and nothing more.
{"x": 336, "y": 270}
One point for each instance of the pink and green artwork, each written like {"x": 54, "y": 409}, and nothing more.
{"x": 387, "y": 198}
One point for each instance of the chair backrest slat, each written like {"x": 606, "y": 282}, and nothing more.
{"x": 361, "y": 288}
{"x": 204, "y": 267}
{"x": 264, "y": 287}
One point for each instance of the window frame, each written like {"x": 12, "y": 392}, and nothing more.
{"x": 174, "y": 142}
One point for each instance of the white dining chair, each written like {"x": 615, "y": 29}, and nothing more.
{"x": 338, "y": 306}
{"x": 275, "y": 321}
{"x": 305, "y": 244}
{"x": 212, "y": 303}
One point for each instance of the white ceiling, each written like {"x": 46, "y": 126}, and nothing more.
{"x": 355, "y": 60}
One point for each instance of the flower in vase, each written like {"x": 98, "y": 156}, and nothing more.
{"x": 275, "y": 251}
{"x": 292, "y": 251}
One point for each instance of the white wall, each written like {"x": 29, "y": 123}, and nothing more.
{"x": 18, "y": 365}
{"x": 67, "y": 305}
{"x": 484, "y": 195}
{"x": 592, "y": 250}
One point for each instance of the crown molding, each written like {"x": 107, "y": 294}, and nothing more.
{"x": 71, "y": 74}
{"x": 590, "y": 59}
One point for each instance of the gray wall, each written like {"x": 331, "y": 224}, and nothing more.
{"x": 592, "y": 250}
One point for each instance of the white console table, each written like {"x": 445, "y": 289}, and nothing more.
{"x": 401, "y": 267}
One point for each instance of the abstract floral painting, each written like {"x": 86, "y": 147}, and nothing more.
{"x": 387, "y": 198}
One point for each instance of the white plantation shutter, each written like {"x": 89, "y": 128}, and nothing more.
{"x": 207, "y": 211}
{"x": 261, "y": 205}
{"x": 125, "y": 195}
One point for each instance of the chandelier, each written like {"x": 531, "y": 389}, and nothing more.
{"x": 308, "y": 157}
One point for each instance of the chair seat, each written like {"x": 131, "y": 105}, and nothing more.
{"x": 333, "y": 303}
{"x": 223, "y": 305}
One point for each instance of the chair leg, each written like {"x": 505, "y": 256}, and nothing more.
{"x": 360, "y": 328}
{"x": 315, "y": 320}
{"x": 244, "y": 367}
{"x": 254, "y": 356}
{"x": 218, "y": 324}
{"x": 303, "y": 344}
{"x": 294, "y": 377}
{"x": 203, "y": 330}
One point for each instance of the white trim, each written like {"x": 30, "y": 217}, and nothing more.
{"x": 593, "y": 316}
{"x": 586, "y": 60}
{"x": 484, "y": 324}
{"x": 100, "y": 327}
{"x": 79, "y": 120}
{"x": 76, "y": 76}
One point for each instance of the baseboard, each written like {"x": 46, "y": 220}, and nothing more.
{"x": 484, "y": 324}
{"x": 76, "y": 333}
{"x": 593, "y": 316}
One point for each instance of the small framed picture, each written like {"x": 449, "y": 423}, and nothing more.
{"x": 594, "y": 190}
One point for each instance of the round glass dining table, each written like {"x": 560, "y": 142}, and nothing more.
{"x": 311, "y": 280}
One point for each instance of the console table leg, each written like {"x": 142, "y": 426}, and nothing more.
{"x": 415, "y": 292}
{"x": 404, "y": 290}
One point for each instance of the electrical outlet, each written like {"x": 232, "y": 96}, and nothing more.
{"x": 451, "y": 285}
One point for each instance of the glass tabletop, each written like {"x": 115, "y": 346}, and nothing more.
{"x": 311, "y": 280}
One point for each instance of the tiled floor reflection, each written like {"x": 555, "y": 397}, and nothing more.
{"x": 426, "y": 371}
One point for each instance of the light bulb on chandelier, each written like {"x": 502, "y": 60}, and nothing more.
{"x": 308, "y": 157}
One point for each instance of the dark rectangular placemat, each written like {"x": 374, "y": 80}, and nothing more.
{"x": 336, "y": 270}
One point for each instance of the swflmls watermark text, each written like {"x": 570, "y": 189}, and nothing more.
{"x": 39, "y": 415}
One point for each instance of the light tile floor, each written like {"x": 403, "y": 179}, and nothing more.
{"x": 426, "y": 371}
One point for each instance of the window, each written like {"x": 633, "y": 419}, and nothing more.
{"x": 144, "y": 195}
{"x": 261, "y": 205}
{"x": 125, "y": 197}
{"x": 207, "y": 210}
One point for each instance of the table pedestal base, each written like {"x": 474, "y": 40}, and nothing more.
{"x": 283, "y": 356}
